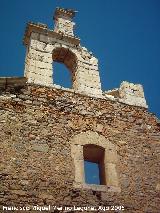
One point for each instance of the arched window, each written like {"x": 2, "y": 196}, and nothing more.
{"x": 64, "y": 67}
{"x": 96, "y": 149}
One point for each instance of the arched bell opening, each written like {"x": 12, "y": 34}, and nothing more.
{"x": 64, "y": 67}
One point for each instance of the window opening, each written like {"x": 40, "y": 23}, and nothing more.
{"x": 64, "y": 67}
{"x": 91, "y": 172}
{"x": 94, "y": 168}
{"x": 61, "y": 75}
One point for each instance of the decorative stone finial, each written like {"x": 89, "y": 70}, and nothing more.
{"x": 63, "y": 21}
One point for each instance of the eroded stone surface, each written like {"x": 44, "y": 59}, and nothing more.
{"x": 132, "y": 94}
{"x": 49, "y": 118}
{"x": 63, "y": 21}
{"x": 44, "y": 47}
{"x": 61, "y": 46}
{"x": 41, "y": 163}
{"x": 128, "y": 93}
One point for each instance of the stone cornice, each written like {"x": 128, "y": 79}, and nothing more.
{"x": 43, "y": 29}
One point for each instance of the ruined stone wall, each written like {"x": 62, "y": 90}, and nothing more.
{"x": 37, "y": 125}
{"x": 44, "y": 47}
{"x": 44, "y": 50}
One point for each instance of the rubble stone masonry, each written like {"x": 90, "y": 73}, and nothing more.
{"x": 47, "y": 132}
{"x": 38, "y": 125}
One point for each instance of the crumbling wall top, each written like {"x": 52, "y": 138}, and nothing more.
{"x": 45, "y": 46}
{"x": 64, "y": 12}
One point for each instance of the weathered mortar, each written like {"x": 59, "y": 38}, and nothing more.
{"x": 43, "y": 129}
{"x": 37, "y": 125}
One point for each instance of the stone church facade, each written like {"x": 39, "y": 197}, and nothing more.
{"x": 47, "y": 132}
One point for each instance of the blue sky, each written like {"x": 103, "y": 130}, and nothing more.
{"x": 92, "y": 175}
{"x": 123, "y": 34}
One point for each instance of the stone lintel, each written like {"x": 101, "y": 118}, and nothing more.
{"x": 43, "y": 29}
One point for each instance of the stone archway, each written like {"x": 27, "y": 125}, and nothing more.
{"x": 68, "y": 58}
